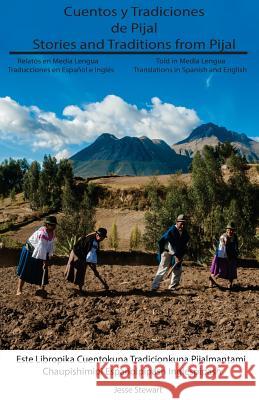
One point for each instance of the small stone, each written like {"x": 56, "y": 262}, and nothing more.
{"x": 223, "y": 321}
{"x": 104, "y": 326}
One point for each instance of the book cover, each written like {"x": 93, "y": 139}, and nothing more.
{"x": 129, "y": 93}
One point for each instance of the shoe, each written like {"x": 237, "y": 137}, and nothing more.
{"x": 173, "y": 287}
{"x": 212, "y": 283}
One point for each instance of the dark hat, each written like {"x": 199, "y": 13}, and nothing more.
{"x": 51, "y": 220}
{"x": 102, "y": 232}
{"x": 231, "y": 225}
{"x": 181, "y": 218}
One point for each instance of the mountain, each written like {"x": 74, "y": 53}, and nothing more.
{"x": 127, "y": 156}
{"x": 211, "y": 134}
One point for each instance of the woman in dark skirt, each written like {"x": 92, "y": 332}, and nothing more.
{"x": 224, "y": 264}
{"x": 33, "y": 263}
{"x": 85, "y": 254}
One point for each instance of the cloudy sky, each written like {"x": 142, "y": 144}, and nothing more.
{"x": 60, "y": 113}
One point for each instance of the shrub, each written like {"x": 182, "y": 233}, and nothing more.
{"x": 113, "y": 237}
{"x": 135, "y": 238}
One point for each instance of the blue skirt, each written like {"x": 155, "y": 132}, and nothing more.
{"x": 31, "y": 270}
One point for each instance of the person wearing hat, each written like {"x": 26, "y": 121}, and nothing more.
{"x": 224, "y": 263}
{"x": 85, "y": 253}
{"x": 172, "y": 247}
{"x": 35, "y": 255}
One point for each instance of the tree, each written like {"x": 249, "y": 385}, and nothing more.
{"x": 135, "y": 238}
{"x": 153, "y": 226}
{"x": 43, "y": 193}
{"x": 43, "y": 186}
{"x": 207, "y": 180}
{"x": 68, "y": 201}
{"x": 163, "y": 214}
{"x": 64, "y": 172}
{"x": 49, "y": 183}
{"x": 235, "y": 163}
{"x": 12, "y": 194}
{"x": 216, "y": 202}
{"x": 31, "y": 185}
{"x": 87, "y": 211}
{"x": 209, "y": 202}
{"x": 46, "y": 187}
{"x": 243, "y": 209}
{"x": 11, "y": 175}
{"x": 223, "y": 151}
{"x": 78, "y": 219}
{"x": 113, "y": 237}
{"x": 177, "y": 202}
{"x": 207, "y": 194}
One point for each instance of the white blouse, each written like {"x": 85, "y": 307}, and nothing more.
{"x": 92, "y": 254}
{"x": 43, "y": 243}
{"x": 221, "y": 250}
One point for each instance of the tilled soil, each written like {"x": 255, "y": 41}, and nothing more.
{"x": 130, "y": 316}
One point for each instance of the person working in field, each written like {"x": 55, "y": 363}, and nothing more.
{"x": 172, "y": 247}
{"x": 224, "y": 263}
{"x": 35, "y": 255}
{"x": 85, "y": 253}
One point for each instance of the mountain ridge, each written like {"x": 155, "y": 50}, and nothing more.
{"x": 139, "y": 156}
{"x": 127, "y": 156}
{"x": 211, "y": 134}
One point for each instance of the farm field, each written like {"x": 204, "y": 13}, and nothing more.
{"x": 125, "y": 221}
{"x": 130, "y": 316}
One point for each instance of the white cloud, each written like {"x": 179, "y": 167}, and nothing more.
{"x": 62, "y": 154}
{"x": 208, "y": 81}
{"x": 43, "y": 129}
{"x": 256, "y": 138}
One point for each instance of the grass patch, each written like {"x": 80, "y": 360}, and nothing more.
{"x": 6, "y": 226}
{"x": 10, "y": 243}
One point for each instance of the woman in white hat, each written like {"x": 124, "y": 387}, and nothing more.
{"x": 33, "y": 263}
{"x": 85, "y": 253}
{"x": 224, "y": 263}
